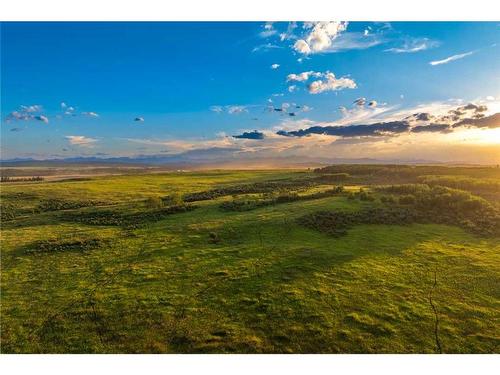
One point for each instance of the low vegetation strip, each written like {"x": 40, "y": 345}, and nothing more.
{"x": 21, "y": 179}
{"x": 256, "y": 188}
{"x": 116, "y": 218}
{"x": 247, "y": 204}
{"x": 336, "y": 223}
{"x": 60, "y": 204}
{"x": 463, "y": 183}
{"x": 55, "y": 246}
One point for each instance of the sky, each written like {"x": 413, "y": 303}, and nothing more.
{"x": 405, "y": 91}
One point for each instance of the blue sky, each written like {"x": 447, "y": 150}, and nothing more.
{"x": 197, "y": 84}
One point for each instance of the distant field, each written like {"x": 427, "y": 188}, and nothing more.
{"x": 346, "y": 259}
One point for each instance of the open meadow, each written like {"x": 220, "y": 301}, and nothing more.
{"x": 343, "y": 259}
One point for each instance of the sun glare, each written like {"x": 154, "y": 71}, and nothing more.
{"x": 478, "y": 136}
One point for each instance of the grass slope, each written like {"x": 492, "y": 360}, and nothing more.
{"x": 265, "y": 285}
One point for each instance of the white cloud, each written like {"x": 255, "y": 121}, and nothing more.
{"x": 414, "y": 45}
{"x": 328, "y": 81}
{"x": 275, "y": 66}
{"x": 289, "y": 34}
{"x": 319, "y": 36}
{"x": 331, "y": 83}
{"x": 231, "y": 109}
{"x": 268, "y": 31}
{"x": 355, "y": 40}
{"x": 31, "y": 108}
{"x": 217, "y": 109}
{"x": 236, "y": 109}
{"x": 28, "y": 112}
{"x": 301, "y": 77}
{"x": 265, "y": 47}
{"x": 90, "y": 114}
{"x": 292, "y": 88}
{"x": 80, "y": 140}
{"x": 451, "y": 58}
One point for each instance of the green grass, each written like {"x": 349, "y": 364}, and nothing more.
{"x": 267, "y": 285}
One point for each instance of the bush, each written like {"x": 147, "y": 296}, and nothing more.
{"x": 403, "y": 188}
{"x": 129, "y": 220}
{"x": 174, "y": 199}
{"x": 333, "y": 177}
{"x": 55, "y": 246}
{"x": 214, "y": 238}
{"x": 255, "y": 188}
{"x": 407, "y": 199}
{"x": 61, "y": 204}
{"x": 387, "y": 199}
{"x": 8, "y": 211}
{"x": 337, "y": 223}
{"x": 154, "y": 202}
{"x": 284, "y": 196}
{"x": 479, "y": 185}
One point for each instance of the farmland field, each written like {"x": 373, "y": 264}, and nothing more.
{"x": 344, "y": 259}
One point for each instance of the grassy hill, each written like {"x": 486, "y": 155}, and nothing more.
{"x": 254, "y": 262}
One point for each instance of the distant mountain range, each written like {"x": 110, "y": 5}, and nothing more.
{"x": 198, "y": 161}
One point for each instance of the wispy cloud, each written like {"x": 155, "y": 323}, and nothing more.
{"x": 230, "y": 109}
{"x": 265, "y": 47}
{"x": 90, "y": 114}
{"x": 412, "y": 45}
{"x": 268, "y": 31}
{"x": 451, "y": 58}
{"x": 356, "y": 40}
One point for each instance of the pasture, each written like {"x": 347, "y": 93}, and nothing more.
{"x": 345, "y": 259}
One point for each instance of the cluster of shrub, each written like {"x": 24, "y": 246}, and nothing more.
{"x": 255, "y": 188}
{"x": 332, "y": 178}
{"x": 60, "y": 204}
{"x": 8, "y": 211}
{"x": 20, "y": 179}
{"x": 128, "y": 220}
{"x": 284, "y": 196}
{"x": 155, "y": 202}
{"x": 362, "y": 195}
{"x": 415, "y": 203}
{"x": 483, "y": 185}
{"x": 410, "y": 173}
{"x": 336, "y": 223}
{"x": 55, "y": 246}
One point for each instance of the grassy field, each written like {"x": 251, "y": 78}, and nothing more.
{"x": 104, "y": 265}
